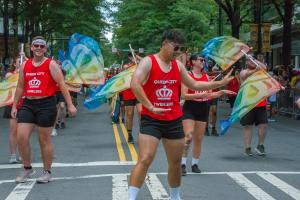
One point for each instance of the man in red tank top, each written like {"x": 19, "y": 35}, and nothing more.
{"x": 156, "y": 83}
{"x": 37, "y": 82}
{"x": 257, "y": 116}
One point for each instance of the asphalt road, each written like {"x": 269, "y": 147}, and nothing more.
{"x": 93, "y": 161}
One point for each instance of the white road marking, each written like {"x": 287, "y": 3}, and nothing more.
{"x": 159, "y": 173}
{"x": 119, "y": 187}
{"x": 21, "y": 191}
{"x": 155, "y": 187}
{"x": 250, "y": 187}
{"x": 280, "y": 184}
{"x": 87, "y": 164}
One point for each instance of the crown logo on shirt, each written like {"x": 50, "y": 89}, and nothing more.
{"x": 34, "y": 83}
{"x": 164, "y": 93}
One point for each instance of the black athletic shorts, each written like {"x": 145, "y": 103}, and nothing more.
{"x": 195, "y": 110}
{"x": 41, "y": 112}
{"x": 131, "y": 102}
{"x": 162, "y": 129}
{"x": 59, "y": 97}
{"x": 7, "y": 112}
{"x": 214, "y": 102}
{"x": 73, "y": 94}
{"x": 256, "y": 116}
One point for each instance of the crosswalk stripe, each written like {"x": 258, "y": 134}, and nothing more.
{"x": 119, "y": 187}
{"x": 250, "y": 187}
{"x": 21, "y": 191}
{"x": 155, "y": 187}
{"x": 280, "y": 184}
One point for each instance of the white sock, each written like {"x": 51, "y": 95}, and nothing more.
{"x": 175, "y": 193}
{"x": 195, "y": 161}
{"x": 133, "y": 192}
{"x": 183, "y": 160}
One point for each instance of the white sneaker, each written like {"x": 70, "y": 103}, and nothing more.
{"x": 44, "y": 178}
{"x": 24, "y": 175}
{"x": 54, "y": 132}
{"x": 13, "y": 159}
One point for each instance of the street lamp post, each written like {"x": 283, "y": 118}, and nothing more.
{"x": 220, "y": 22}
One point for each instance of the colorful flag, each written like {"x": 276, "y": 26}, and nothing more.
{"x": 116, "y": 84}
{"x": 224, "y": 50}
{"x": 253, "y": 90}
{"x": 84, "y": 62}
{"x": 7, "y": 89}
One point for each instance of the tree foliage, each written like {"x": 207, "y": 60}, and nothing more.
{"x": 57, "y": 18}
{"x": 141, "y": 22}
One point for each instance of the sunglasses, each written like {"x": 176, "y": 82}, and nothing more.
{"x": 201, "y": 59}
{"x": 39, "y": 46}
{"x": 181, "y": 48}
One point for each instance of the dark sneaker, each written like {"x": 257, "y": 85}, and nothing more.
{"x": 214, "y": 132}
{"x": 183, "y": 170}
{"x": 248, "y": 152}
{"x": 24, "y": 175}
{"x": 63, "y": 125}
{"x": 44, "y": 178}
{"x": 130, "y": 139}
{"x": 206, "y": 132}
{"x": 57, "y": 126}
{"x": 260, "y": 150}
{"x": 196, "y": 169}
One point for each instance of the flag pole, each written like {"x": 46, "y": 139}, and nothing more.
{"x": 132, "y": 53}
{"x": 22, "y": 51}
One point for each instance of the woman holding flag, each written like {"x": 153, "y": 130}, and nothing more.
{"x": 195, "y": 113}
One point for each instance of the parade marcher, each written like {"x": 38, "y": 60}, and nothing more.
{"x": 214, "y": 74}
{"x": 130, "y": 102}
{"x": 234, "y": 86}
{"x": 61, "y": 107}
{"x": 195, "y": 113}
{"x": 156, "y": 83}
{"x": 257, "y": 116}
{"x": 37, "y": 83}
{"x": 13, "y": 158}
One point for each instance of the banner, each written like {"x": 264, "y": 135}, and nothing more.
{"x": 266, "y": 37}
{"x": 253, "y": 36}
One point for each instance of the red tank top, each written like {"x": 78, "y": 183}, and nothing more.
{"x": 162, "y": 89}
{"x": 203, "y": 78}
{"x": 128, "y": 94}
{"x": 38, "y": 81}
{"x": 262, "y": 103}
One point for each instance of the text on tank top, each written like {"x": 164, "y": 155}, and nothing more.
{"x": 38, "y": 80}
{"x": 203, "y": 78}
{"x": 162, "y": 90}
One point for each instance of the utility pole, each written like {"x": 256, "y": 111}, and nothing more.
{"x": 257, "y": 20}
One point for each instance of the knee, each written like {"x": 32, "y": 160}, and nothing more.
{"x": 22, "y": 139}
{"x": 145, "y": 160}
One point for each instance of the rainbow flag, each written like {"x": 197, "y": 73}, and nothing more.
{"x": 224, "y": 50}
{"x": 253, "y": 90}
{"x": 7, "y": 89}
{"x": 116, "y": 84}
{"x": 84, "y": 62}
